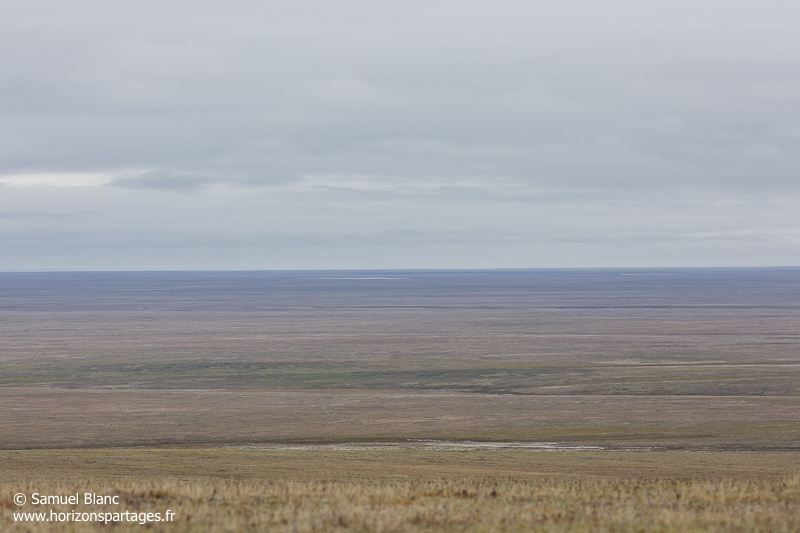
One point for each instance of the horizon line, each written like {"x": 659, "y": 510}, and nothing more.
{"x": 456, "y": 269}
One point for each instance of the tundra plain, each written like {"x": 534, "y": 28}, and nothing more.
{"x": 699, "y": 365}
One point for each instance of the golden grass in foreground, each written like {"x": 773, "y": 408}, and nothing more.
{"x": 409, "y": 490}
{"x": 473, "y": 504}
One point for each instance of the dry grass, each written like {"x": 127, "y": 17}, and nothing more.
{"x": 708, "y": 361}
{"x": 50, "y": 418}
{"x": 313, "y": 491}
{"x": 703, "y": 358}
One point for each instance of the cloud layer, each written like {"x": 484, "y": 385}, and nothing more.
{"x": 404, "y": 134}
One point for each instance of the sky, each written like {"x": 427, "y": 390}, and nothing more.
{"x": 139, "y": 135}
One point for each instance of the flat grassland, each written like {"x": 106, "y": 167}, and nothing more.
{"x": 672, "y": 396}
{"x": 312, "y": 490}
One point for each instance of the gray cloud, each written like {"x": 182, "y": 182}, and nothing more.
{"x": 163, "y": 180}
{"x": 600, "y": 126}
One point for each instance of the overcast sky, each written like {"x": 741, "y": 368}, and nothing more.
{"x": 409, "y": 134}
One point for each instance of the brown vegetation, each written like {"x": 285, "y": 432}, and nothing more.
{"x": 216, "y": 372}
{"x": 410, "y": 490}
